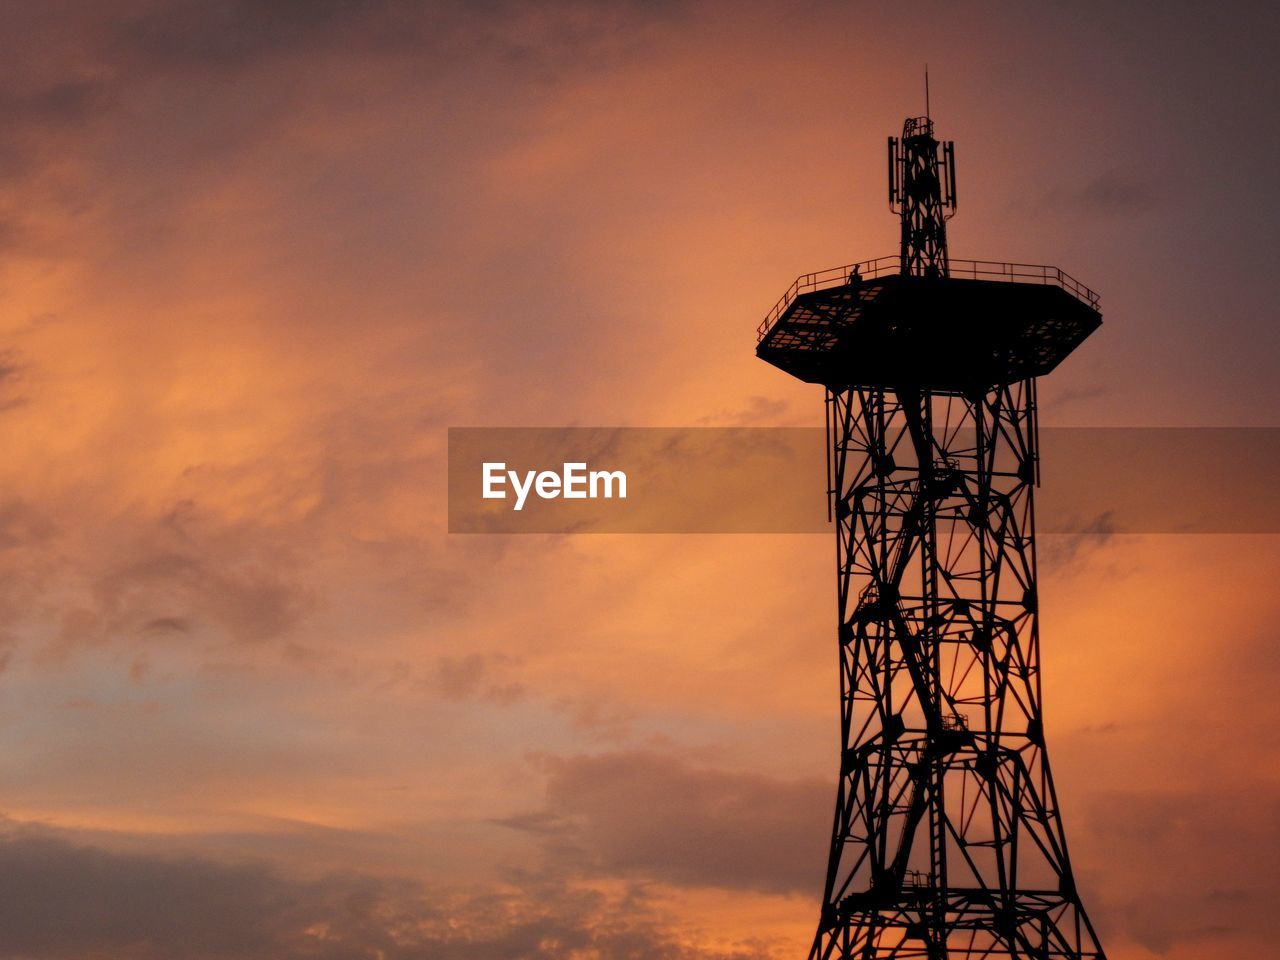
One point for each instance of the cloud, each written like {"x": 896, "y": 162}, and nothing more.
{"x": 1062, "y": 552}
{"x": 60, "y": 900}
{"x": 471, "y": 675}
{"x": 192, "y": 35}
{"x": 1116, "y": 194}
{"x": 248, "y": 602}
{"x": 153, "y": 583}
{"x": 1111, "y": 194}
{"x": 187, "y": 36}
{"x": 1187, "y": 868}
{"x": 646, "y": 814}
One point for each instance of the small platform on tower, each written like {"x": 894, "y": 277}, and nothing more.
{"x": 868, "y": 324}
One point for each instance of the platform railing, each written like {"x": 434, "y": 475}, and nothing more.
{"x": 964, "y": 269}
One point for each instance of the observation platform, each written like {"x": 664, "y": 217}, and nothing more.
{"x": 985, "y": 324}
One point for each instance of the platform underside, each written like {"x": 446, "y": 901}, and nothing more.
{"x": 929, "y": 332}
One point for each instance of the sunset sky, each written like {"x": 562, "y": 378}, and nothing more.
{"x": 257, "y": 258}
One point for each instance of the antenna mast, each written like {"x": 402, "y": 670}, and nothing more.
{"x": 922, "y": 189}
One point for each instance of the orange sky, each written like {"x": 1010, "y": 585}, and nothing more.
{"x": 256, "y": 258}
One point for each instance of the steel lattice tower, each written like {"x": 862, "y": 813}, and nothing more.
{"x": 948, "y": 841}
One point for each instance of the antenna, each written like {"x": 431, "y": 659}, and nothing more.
{"x": 922, "y": 191}
{"x": 927, "y": 111}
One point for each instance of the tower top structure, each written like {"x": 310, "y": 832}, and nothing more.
{"x": 924, "y": 319}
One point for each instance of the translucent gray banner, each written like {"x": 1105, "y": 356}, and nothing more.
{"x": 773, "y": 480}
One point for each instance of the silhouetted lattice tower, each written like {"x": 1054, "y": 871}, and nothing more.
{"x": 947, "y": 842}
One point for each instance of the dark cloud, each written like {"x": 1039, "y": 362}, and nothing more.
{"x": 156, "y": 584}
{"x": 40, "y": 122}
{"x": 758, "y": 411}
{"x": 188, "y": 35}
{"x": 1186, "y": 866}
{"x": 11, "y": 366}
{"x": 643, "y": 814}
{"x": 1116, "y": 194}
{"x": 470, "y": 676}
{"x": 1112, "y": 193}
{"x": 166, "y": 625}
{"x": 246, "y": 600}
{"x": 459, "y": 677}
{"x": 1078, "y": 540}
{"x": 1056, "y": 400}
{"x": 193, "y": 34}
{"x": 60, "y": 900}
{"x": 23, "y": 525}
{"x": 58, "y": 104}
